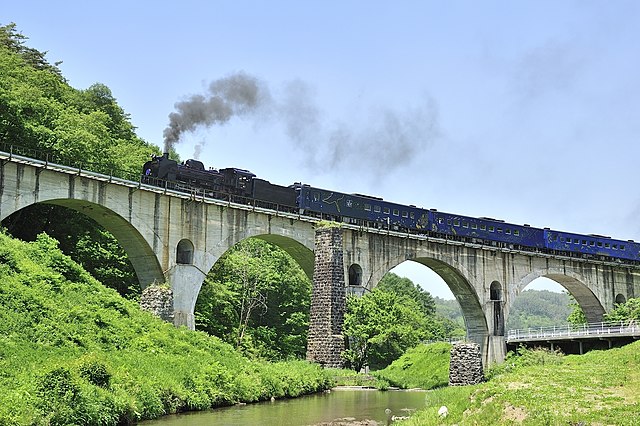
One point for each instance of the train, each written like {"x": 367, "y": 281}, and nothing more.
{"x": 242, "y": 186}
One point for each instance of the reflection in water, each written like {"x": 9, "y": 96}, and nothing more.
{"x": 308, "y": 410}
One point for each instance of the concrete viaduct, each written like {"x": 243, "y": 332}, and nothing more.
{"x": 177, "y": 237}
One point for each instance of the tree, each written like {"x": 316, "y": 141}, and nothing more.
{"x": 39, "y": 111}
{"x": 380, "y": 326}
{"x": 576, "y": 317}
{"x": 257, "y": 298}
{"x": 630, "y": 310}
{"x": 405, "y": 287}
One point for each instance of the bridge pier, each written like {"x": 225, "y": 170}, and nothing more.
{"x": 325, "y": 342}
{"x": 186, "y": 281}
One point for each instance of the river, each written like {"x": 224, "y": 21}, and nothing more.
{"x": 343, "y": 406}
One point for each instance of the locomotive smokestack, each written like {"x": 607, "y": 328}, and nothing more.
{"x": 238, "y": 94}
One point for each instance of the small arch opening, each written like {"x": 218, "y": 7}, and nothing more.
{"x": 355, "y": 275}
{"x": 184, "y": 252}
{"x": 495, "y": 295}
{"x": 620, "y": 299}
{"x": 495, "y": 291}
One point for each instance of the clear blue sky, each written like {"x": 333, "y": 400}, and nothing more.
{"x": 526, "y": 111}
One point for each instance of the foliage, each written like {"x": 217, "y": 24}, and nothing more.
{"x": 425, "y": 366}
{"x": 40, "y": 111}
{"x": 543, "y": 388}
{"x": 630, "y": 310}
{"x": 257, "y": 298}
{"x": 380, "y": 326}
{"x": 83, "y": 240}
{"x": 74, "y": 352}
{"x": 406, "y": 288}
{"x": 538, "y": 308}
{"x": 577, "y": 316}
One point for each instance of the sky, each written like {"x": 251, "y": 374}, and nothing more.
{"x": 526, "y": 111}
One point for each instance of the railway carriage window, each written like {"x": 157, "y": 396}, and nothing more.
{"x": 396, "y": 212}
{"x": 412, "y": 216}
{"x": 386, "y": 210}
{"x": 465, "y": 224}
{"x": 448, "y": 221}
{"x": 367, "y": 207}
{"x": 491, "y": 229}
{"x": 592, "y": 243}
{"x": 607, "y": 245}
{"x": 576, "y": 241}
{"x": 405, "y": 214}
{"x": 516, "y": 232}
{"x": 316, "y": 196}
{"x": 483, "y": 227}
{"x": 474, "y": 226}
{"x": 507, "y": 231}
{"x": 599, "y": 243}
{"x": 584, "y": 242}
{"x": 456, "y": 222}
{"x": 376, "y": 209}
{"x": 562, "y": 239}
{"x": 615, "y": 247}
{"x": 621, "y": 247}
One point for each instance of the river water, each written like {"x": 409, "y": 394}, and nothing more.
{"x": 347, "y": 406}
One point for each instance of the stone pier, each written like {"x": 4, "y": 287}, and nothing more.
{"x": 328, "y": 300}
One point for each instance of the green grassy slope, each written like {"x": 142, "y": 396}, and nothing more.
{"x": 598, "y": 388}
{"x": 425, "y": 366}
{"x": 75, "y": 352}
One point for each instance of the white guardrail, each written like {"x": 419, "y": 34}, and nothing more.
{"x": 569, "y": 331}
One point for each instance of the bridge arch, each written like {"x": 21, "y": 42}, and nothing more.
{"x": 139, "y": 252}
{"x": 575, "y": 284}
{"x": 454, "y": 274}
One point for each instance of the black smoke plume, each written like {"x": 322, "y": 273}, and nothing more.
{"x": 235, "y": 95}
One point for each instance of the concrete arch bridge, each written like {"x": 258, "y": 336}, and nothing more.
{"x": 177, "y": 237}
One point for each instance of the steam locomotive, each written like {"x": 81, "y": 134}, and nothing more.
{"x": 242, "y": 186}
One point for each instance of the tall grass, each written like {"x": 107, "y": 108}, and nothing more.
{"x": 75, "y": 352}
{"x": 540, "y": 387}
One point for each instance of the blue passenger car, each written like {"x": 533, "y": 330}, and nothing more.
{"x": 487, "y": 229}
{"x": 360, "y": 209}
{"x": 591, "y": 245}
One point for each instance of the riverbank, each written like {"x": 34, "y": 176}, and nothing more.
{"x": 74, "y": 352}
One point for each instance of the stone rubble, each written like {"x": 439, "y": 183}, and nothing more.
{"x": 159, "y": 301}
{"x": 465, "y": 367}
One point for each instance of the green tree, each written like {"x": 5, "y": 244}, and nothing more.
{"x": 39, "y": 111}
{"x": 257, "y": 298}
{"x": 405, "y": 287}
{"x": 576, "y": 317}
{"x": 630, "y": 310}
{"x": 380, "y": 326}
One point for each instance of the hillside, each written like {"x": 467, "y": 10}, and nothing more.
{"x": 544, "y": 388}
{"x": 425, "y": 367}
{"x": 74, "y": 351}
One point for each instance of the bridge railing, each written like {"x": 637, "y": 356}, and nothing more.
{"x": 566, "y": 331}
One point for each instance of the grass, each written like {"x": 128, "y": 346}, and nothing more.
{"x": 425, "y": 366}
{"x": 542, "y": 388}
{"x": 74, "y": 352}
